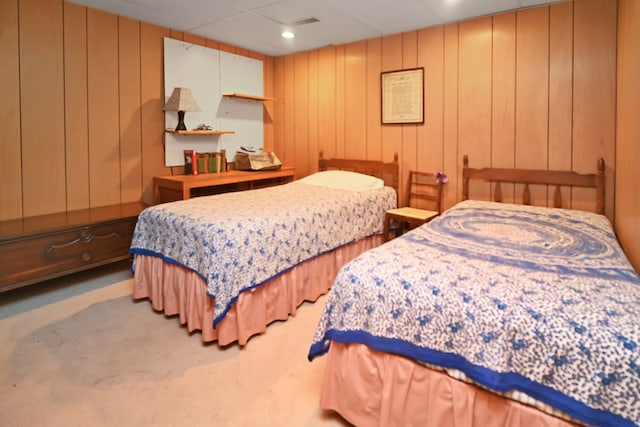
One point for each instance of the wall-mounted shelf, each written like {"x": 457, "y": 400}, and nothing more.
{"x": 200, "y": 132}
{"x": 247, "y": 96}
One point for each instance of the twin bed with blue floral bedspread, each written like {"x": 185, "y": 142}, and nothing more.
{"x": 238, "y": 241}
{"x": 533, "y": 299}
{"x": 232, "y": 263}
{"x": 491, "y": 315}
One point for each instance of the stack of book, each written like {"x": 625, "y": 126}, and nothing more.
{"x": 199, "y": 163}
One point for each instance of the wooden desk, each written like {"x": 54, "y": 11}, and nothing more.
{"x": 181, "y": 187}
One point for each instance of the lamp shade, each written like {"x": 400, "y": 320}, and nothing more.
{"x": 181, "y": 100}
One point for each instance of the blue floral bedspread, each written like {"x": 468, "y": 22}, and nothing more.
{"x": 238, "y": 241}
{"x": 534, "y": 299}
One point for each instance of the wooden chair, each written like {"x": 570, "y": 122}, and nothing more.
{"x": 425, "y": 203}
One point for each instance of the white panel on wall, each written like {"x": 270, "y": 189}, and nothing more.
{"x": 240, "y": 74}
{"x": 206, "y": 72}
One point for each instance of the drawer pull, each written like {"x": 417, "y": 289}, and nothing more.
{"x": 85, "y": 237}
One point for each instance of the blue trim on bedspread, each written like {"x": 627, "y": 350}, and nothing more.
{"x": 535, "y": 299}
{"x": 481, "y": 375}
{"x": 239, "y": 241}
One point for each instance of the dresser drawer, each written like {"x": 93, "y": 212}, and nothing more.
{"x": 28, "y": 259}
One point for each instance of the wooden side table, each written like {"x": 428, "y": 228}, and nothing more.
{"x": 411, "y": 216}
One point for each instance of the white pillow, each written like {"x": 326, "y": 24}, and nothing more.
{"x": 343, "y": 180}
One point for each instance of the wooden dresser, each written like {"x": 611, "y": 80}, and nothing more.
{"x": 43, "y": 247}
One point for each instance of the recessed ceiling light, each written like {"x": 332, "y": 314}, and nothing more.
{"x": 288, "y": 34}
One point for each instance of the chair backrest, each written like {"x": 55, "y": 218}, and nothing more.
{"x": 425, "y": 191}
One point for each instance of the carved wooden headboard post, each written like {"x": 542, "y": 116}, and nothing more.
{"x": 600, "y": 187}
{"x": 465, "y": 177}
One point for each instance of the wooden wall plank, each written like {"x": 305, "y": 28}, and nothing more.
{"x": 42, "y": 106}
{"x": 301, "y": 124}
{"x": 129, "y": 109}
{"x": 152, "y": 100}
{"x": 326, "y": 101}
{"x": 627, "y": 176}
{"x": 409, "y": 158}
{"x": 103, "y": 102}
{"x": 340, "y": 104}
{"x": 373, "y": 106}
{"x": 532, "y": 95}
{"x": 10, "y": 153}
{"x": 356, "y": 100}
{"x": 392, "y": 133}
{"x": 289, "y": 113}
{"x": 197, "y": 40}
{"x": 504, "y": 96}
{"x": 474, "y": 86}
{"x": 278, "y": 107}
{"x": 452, "y": 156}
{"x": 560, "y": 91}
{"x": 594, "y": 92}
{"x": 314, "y": 124}
{"x": 430, "y": 147}
{"x": 75, "y": 106}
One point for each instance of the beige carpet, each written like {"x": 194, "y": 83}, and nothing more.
{"x": 94, "y": 357}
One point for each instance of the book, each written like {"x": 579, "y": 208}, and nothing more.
{"x": 190, "y": 165}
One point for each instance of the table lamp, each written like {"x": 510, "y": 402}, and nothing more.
{"x": 181, "y": 100}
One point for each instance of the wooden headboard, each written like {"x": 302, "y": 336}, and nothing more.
{"x": 533, "y": 176}
{"x": 388, "y": 172}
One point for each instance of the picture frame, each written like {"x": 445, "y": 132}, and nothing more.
{"x": 402, "y": 96}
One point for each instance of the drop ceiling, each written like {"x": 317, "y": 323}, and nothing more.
{"x": 257, "y": 24}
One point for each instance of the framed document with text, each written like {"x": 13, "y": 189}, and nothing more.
{"x": 403, "y": 96}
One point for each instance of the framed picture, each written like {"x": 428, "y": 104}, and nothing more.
{"x": 403, "y": 96}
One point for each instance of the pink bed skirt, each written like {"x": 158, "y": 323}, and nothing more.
{"x": 175, "y": 290}
{"x": 371, "y": 388}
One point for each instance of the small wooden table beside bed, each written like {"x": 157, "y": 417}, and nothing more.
{"x": 493, "y": 314}
{"x": 230, "y": 264}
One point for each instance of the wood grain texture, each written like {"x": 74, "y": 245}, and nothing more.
{"x": 152, "y": 100}
{"x": 594, "y": 90}
{"x": 627, "y": 173}
{"x": 42, "y": 107}
{"x": 301, "y": 123}
{"x": 327, "y": 100}
{"x": 103, "y": 108}
{"x": 129, "y": 109}
{"x": 474, "y": 92}
{"x": 75, "y": 106}
{"x": 503, "y": 122}
{"x": 314, "y": 123}
{"x": 452, "y": 160}
{"x": 560, "y": 91}
{"x": 10, "y": 167}
{"x": 532, "y": 95}
{"x": 392, "y": 134}
{"x": 430, "y": 147}
{"x": 373, "y": 106}
{"x": 355, "y": 100}
{"x": 409, "y": 131}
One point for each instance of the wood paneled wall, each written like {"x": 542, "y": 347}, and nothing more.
{"x": 81, "y": 122}
{"x": 627, "y": 213}
{"x": 534, "y": 88}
